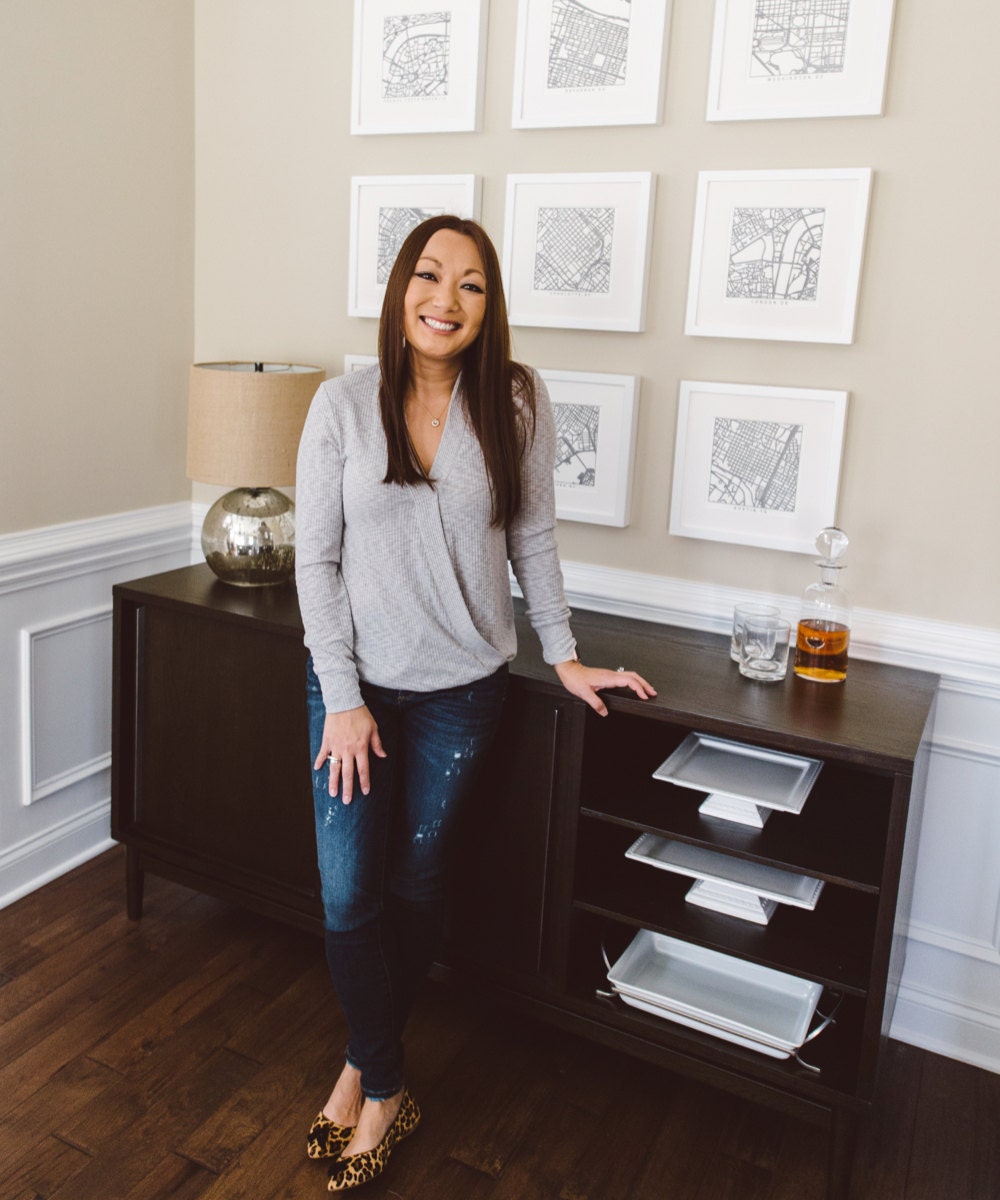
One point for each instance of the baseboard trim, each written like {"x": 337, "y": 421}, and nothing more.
{"x": 941, "y": 1025}
{"x": 38, "y": 860}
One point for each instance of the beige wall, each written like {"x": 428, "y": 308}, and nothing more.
{"x": 96, "y": 283}
{"x": 98, "y": 220}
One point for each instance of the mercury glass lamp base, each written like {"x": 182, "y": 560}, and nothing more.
{"x": 248, "y": 537}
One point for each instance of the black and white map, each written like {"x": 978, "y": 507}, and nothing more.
{"x": 415, "y": 51}
{"x": 393, "y": 226}
{"x": 576, "y": 444}
{"x": 774, "y": 254}
{"x": 588, "y": 43}
{"x": 573, "y": 250}
{"x": 799, "y": 37}
{"x": 755, "y": 465}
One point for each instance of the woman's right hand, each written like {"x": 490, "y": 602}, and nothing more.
{"x": 347, "y": 738}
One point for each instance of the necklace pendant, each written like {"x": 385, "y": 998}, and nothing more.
{"x": 435, "y": 421}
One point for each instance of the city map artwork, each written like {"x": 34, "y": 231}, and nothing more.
{"x": 755, "y": 464}
{"x": 577, "y": 434}
{"x": 799, "y": 37}
{"x": 573, "y": 249}
{"x": 774, "y": 253}
{"x": 415, "y": 52}
{"x": 588, "y": 43}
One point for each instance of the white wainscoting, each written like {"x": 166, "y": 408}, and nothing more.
{"x": 55, "y": 589}
{"x": 55, "y": 682}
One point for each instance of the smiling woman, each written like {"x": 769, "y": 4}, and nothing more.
{"x": 420, "y": 481}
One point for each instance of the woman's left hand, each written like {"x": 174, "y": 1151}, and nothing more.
{"x": 585, "y": 681}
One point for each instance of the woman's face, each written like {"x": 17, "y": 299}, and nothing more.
{"x": 445, "y": 300}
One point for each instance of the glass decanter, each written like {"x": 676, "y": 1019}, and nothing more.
{"x": 824, "y": 628}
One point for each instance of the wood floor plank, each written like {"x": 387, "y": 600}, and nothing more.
{"x": 42, "y": 1170}
{"x": 264, "y": 1036}
{"x": 949, "y": 1129}
{"x": 173, "y": 1178}
{"x": 151, "y": 1082}
{"x": 295, "y": 1069}
{"x": 125, "y": 1159}
{"x": 150, "y": 964}
{"x": 506, "y": 1088}
{"x": 885, "y": 1143}
{"x": 613, "y": 1154}
{"x": 58, "y": 1100}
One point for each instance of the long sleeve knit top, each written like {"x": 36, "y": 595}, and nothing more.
{"x": 407, "y": 586}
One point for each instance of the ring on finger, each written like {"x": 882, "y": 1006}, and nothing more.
{"x": 334, "y": 761}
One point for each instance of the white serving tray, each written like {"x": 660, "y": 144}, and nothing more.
{"x": 751, "y": 777}
{"x": 754, "y": 1002}
{"x": 703, "y": 1027}
{"x": 728, "y": 873}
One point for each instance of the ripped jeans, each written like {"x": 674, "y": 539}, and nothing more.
{"x": 382, "y": 857}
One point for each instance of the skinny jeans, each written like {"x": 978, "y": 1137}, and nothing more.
{"x": 382, "y": 858}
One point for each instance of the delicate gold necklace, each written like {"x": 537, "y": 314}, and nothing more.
{"x": 435, "y": 420}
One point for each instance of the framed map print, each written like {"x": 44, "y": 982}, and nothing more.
{"x": 418, "y": 67}
{"x": 798, "y": 58}
{"x": 384, "y": 208}
{"x": 589, "y": 62}
{"x": 777, "y": 254}
{"x": 595, "y": 419}
{"x": 759, "y": 466}
{"x": 576, "y": 249}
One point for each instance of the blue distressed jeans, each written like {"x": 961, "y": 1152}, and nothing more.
{"x": 382, "y": 857}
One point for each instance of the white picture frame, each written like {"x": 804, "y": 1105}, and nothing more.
{"x": 576, "y": 249}
{"x": 777, "y": 254}
{"x": 358, "y": 362}
{"x": 757, "y": 465}
{"x": 384, "y": 208}
{"x": 579, "y": 62}
{"x": 418, "y": 67}
{"x": 798, "y": 58}
{"x": 596, "y": 421}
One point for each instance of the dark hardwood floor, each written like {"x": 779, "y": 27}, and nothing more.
{"x": 185, "y": 1055}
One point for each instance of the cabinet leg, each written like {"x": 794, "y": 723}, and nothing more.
{"x": 135, "y": 878}
{"x": 843, "y": 1144}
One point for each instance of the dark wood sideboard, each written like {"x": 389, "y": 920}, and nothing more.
{"x": 211, "y": 787}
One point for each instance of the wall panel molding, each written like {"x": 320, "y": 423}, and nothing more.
{"x": 58, "y": 701}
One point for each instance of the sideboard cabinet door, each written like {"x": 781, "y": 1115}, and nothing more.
{"x": 504, "y": 922}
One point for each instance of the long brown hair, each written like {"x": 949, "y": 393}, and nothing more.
{"x": 499, "y": 394}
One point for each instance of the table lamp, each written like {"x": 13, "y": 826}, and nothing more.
{"x": 244, "y": 424}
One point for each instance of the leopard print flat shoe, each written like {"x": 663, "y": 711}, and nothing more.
{"x": 326, "y": 1139}
{"x": 356, "y": 1169}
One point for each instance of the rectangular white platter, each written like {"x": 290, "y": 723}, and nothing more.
{"x": 763, "y": 777}
{"x": 703, "y": 1027}
{"x": 784, "y": 887}
{"x": 745, "y": 998}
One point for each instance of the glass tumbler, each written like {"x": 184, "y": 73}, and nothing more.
{"x": 764, "y": 648}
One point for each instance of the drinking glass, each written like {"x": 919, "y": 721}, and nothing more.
{"x": 740, "y": 614}
{"x": 764, "y": 648}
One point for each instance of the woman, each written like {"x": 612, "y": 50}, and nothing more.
{"x": 417, "y": 481}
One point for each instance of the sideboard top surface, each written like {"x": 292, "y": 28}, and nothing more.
{"x": 878, "y": 716}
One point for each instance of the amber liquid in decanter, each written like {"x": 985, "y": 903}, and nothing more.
{"x": 821, "y": 650}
